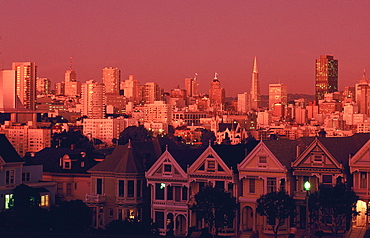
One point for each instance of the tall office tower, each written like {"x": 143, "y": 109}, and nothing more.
{"x": 93, "y": 99}
{"x": 255, "y": 89}
{"x": 151, "y": 92}
{"x": 131, "y": 89}
{"x": 43, "y": 86}
{"x": 8, "y": 95}
{"x": 243, "y": 102}
{"x": 277, "y": 94}
{"x": 72, "y": 87}
{"x": 26, "y": 73}
{"x": 191, "y": 86}
{"x": 326, "y": 76}
{"x": 362, "y": 89}
{"x": 216, "y": 93}
{"x": 70, "y": 76}
{"x": 59, "y": 88}
{"x": 111, "y": 79}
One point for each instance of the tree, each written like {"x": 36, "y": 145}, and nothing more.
{"x": 208, "y": 136}
{"x": 216, "y": 207}
{"x": 276, "y": 206}
{"x": 133, "y": 133}
{"x": 24, "y": 197}
{"x": 333, "y": 206}
{"x": 71, "y": 216}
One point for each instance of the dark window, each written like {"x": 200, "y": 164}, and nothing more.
{"x": 220, "y": 185}
{"x": 252, "y": 185}
{"x": 130, "y": 189}
{"x": 327, "y": 180}
{"x": 121, "y": 188}
{"x": 363, "y": 179}
{"x": 184, "y": 193}
{"x": 201, "y": 185}
{"x": 159, "y": 219}
{"x": 69, "y": 189}
{"x": 169, "y": 192}
{"x": 138, "y": 188}
{"x": 167, "y": 168}
{"x": 177, "y": 193}
{"x": 159, "y": 191}
{"x": 230, "y": 188}
{"x": 271, "y": 185}
{"x": 99, "y": 186}
{"x": 282, "y": 184}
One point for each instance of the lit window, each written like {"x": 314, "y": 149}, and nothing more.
{"x": 8, "y": 197}
{"x": 44, "y": 201}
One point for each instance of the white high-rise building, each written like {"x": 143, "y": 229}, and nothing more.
{"x": 106, "y": 129}
{"x": 93, "y": 99}
{"x": 111, "y": 79}
{"x": 8, "y": 95}
{"x": 243, "y": 102}
{"x": 158, "y": 112}
{"x": 26, "y": 73}
{"x": 277, "y": 94}
{"x": 131, "y": 89}
{"x": 43, "y": 86}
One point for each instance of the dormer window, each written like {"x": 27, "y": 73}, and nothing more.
{"x": 211, "y": 166}
{"x": 167, "y": 169}
{"x": 317, "y": 160}
{"x": 67, "y": 164}
{"x": 262, "y": 162}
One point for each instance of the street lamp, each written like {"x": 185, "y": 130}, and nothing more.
{"x": 307, "y": 187}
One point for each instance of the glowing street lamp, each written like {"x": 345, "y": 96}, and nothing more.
{"x": 307, "y": 187}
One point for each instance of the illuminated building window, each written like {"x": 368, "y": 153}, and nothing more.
{"x": 44, "y": 202}
{"x": 8, "y": 197}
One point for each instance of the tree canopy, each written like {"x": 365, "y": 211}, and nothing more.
{"x": 133, "y": 133}
{"x": 216, "y": 207}
{"x": 333, "y": 206}
{"x": 276, "y": 207}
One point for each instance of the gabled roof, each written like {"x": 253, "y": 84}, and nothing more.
{"x": 7, "y": 151}
{"x": 122, "y": 160}
{"x": 186, "y": 157}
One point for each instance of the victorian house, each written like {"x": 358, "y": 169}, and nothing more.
{"x": 267, "y": 168}
{"x": 118, "y": 188}
{"x": 14, "y": 171}
{"x": 323, "y": 161}
{"x": 360, "y": 169}
{"x": 169, "y": 189}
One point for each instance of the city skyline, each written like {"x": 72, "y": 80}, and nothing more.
{"x": 166, "y": 42}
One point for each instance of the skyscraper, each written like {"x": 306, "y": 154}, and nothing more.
{"x": 255, "y": 88}
{"x": 26, "y": 73}
{"x": 43, "y": 86}
{"x": 131, "y": 89}
{"x": 216, "y": 93}
{"x": 93, "y": 99}
{"x": 326, "y": 76}
{"x": 191, "y": 86}
{"x": 277, "y": 94}
{"x": 8, "y": 96}
{"x": 111, "y": 79}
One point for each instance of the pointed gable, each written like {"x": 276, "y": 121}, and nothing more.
{"x": 122, "y": 160}
{"x": 209, "y": 162}
{"x": 361, "y": 160}
{"x": 316, "y": 155}
{"x": 166, "y": 167}
{"x": 7, "y": 151}
{"x": 262, "y": 159}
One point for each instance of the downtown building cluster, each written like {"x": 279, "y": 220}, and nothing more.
{"x": 146, "y": 180}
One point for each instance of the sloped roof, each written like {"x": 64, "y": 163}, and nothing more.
{"x": 342, "y": 147}
{"x": 283, "y": 150}
{"x": 50, "y": 159}
{"x": 7, "y": 151}
{"x": 234, "y": 154}
{"x": 122, "y": 160}
{"x": 224, "y": 126}
{"x": 186, "y": 157}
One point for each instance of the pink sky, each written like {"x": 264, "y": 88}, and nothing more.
{"x": 167, "y": 41}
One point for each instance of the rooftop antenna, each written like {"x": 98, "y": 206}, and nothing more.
{"x": 216, "y": 74}
{"x": 70, "y": 63}
{"x": 195, "y": 77}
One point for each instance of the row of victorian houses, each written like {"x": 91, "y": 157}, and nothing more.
{"x": 155, "y": 181}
